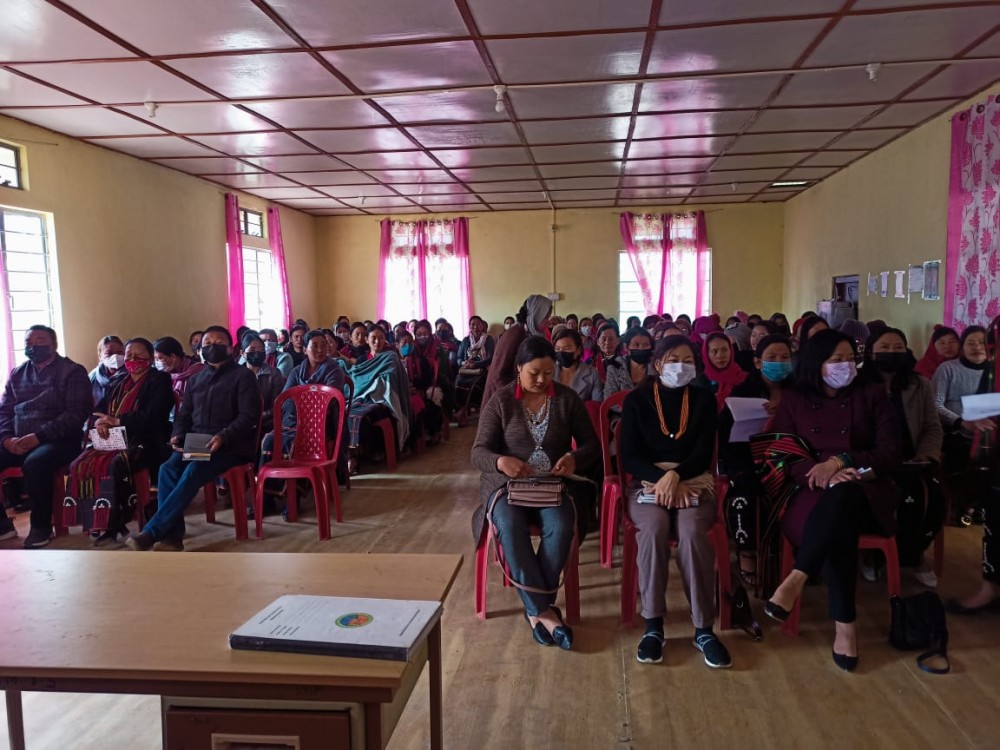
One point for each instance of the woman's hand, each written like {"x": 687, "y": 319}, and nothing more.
{"x": 514, "y": 467}
{"x": 683, "y": 496}
{"x": 771, "y": 407}
{"x": 845, "y": 475}
{"x": 666, "y": 488}
{"x": 819, "y": 475}
{"x": 986, "y": 425}
{"x": 565, "y": 466}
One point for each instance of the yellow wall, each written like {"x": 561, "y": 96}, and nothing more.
{"x": 881, "y": 214}
{"x": 511, "y": 256}
{"x": 140, "y": 248}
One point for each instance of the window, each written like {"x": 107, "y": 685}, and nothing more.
{"x": 629, "y": 294}
{"x": 251, "y": 223}
{"x": 10, "y": 166}
{"x": 261, "y": 289}
{"x": 30, "y": 272}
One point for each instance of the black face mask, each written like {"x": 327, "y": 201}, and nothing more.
{"x": 39, "y": 353}
{"x": 892, "y": 362}
{"x": 214, "y": 354}
{"x": 255, "y": 359}
{"x": 445, "y": 336}
{"x": 640, "y": 356}
{"x": 566, "y": 359}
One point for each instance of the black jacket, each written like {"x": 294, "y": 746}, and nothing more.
{"x": 223, "y": 402}
{"x": 148, "y": 424}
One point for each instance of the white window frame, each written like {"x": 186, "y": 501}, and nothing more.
{"x": 18, "y": 182}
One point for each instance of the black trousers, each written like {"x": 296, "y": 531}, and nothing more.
{"x": 991, "y": 521}
{"x": 830, "y": 545}
{"x": 919, "y": 514}
{"x": 39, "y": 468}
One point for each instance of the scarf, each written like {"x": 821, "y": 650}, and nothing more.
{"x": 182, "y": 377}
{"x": 539, "y": 308}
{"x": 383, "y": 380}
{"x": 703, "y": 327}
{"x": 428, "y": 350}
{"x": 355, "y": 352}
{"x": 727, "y": 378}
{"x": 477, "y": 347}
{"x": 932, "y": 360}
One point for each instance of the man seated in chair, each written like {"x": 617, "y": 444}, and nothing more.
{"x": 222, "y": 401}
{"x": 45, "y": 404}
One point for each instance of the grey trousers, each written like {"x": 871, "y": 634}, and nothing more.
{"x": 695, "y": 556}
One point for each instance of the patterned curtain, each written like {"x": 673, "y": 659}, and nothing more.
{"x": 972, "y": 295}
{"x": 688, "y": 282}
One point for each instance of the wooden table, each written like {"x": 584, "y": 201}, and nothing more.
{"x": 158, "y": 623}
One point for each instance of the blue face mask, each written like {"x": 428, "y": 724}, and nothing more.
{"x": 776, "y": 371}
{"x": 406, "y": 350}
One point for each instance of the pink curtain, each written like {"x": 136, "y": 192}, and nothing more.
{"x": 277, "y": 247}
{"x": 7, "y": 358}
{"x": 972, "y": 267}
{"x": 704, "y": 261}
{"x": 645, "y": 240}
{"x": 234, "y": 257}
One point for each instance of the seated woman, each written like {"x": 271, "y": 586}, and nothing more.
{"x": 381, "y": 389}
{"x": 780, "y": 323}
{"x": 609, "y": 347}
{"x": 633, "y": 322}
{"x": 194, "y": 340}
{"x": 532, "y": 320}
{"x": 110, "y": 358}
{"x": 357, "y": 350}
{"x": 446, "y": 336}
{"x": 475, "y": 356}
{"x": 667, "y": 441}
{"x": 920, "y": 501}
{"x": 746, "y": 504}
{"x": 269, "y": 380}
{"x": 390, "y": 336}
{"x": 273, "y": 356}
{"x": 571, "y": 371}
{"x": 721, "y": 373}
{"x": 943, "y": 347}
{"x": 810, "y": 327}
{"x": 528, "y": 428}
{"x": 283, "y": 338}
{"x": 852, "y": 430}
{"x": 296, "y": 344}
{"x": 429, "y": 346}
{"x": 169, "y": 358}
{"x": 745, "y": 359}
{"x": 428, "y": 418}
{"x": 139, "y": 398}
{"x": 625, "y": 373}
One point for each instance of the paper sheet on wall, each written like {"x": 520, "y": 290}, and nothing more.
{"x": 116, "y": 440}
{"x": 749, "y": 417}
{"x": 916, "y": 279}
{"x": 980, "y": 406}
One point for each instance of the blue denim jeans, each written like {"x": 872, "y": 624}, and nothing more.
{"x": 179, "y": 484}
{"x": 541, "y": 569}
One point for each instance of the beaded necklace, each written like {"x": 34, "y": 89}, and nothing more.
{"x": 685, "y": 410}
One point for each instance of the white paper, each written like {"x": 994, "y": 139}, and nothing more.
{"x": 749, "y": 417}
{"x": 900, "y": 284}
{"x": 916, "y": 279}
{"x": 116, "y": 440}
{"x": 980, "y": 406}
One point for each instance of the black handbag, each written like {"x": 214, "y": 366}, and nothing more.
{"x": 919, "y": 622}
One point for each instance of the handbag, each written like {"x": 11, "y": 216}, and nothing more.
{"x": 535, "y": 492}
{"x": 919, "y": 622}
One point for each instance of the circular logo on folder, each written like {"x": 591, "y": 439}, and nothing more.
{"x": 354, "y": 620}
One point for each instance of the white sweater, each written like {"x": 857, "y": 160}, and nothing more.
{"x": 952, "y": 381}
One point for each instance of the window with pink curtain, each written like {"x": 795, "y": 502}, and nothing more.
{"x": 972, "y": 275}
{"x": 277, "y": 246}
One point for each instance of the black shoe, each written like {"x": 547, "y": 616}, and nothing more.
{"x": 847, "y": 663}
{"x": 562, "y": 635}
{"x": 108, "y": 538}
{"x": 716, "y": 654}
{"x": 955, "y": 607}
{"x": 776, "y": 611}
{"x": 141, "y": 542}
{"x": 650, "y": 649}
{"x": 539, "y": 633}
{"x": 38, "y": 538}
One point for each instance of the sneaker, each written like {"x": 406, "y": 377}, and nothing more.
{"x": 7, "y": 530}
{"x": 869, "y": 572}
{"x": 38, "y": 538}
{"x": 716, "y": 655}
{"x": 925, "y": 575}
{"x": 140, "y": 542}
{"x": 650, "y": 649}
{"x": 169, "y": 545}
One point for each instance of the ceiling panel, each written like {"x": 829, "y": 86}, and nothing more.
{"x": 476, "y": 157}
{"x": 358, "y": 139}
{"x": 162, "y": 28}
{"x": 867, "y": 139}
{"x": 253, "y": 181}
{"x": 811, "y": 118}
{"x": 583, "y": 195}
{"x": 757, "y": 161}
{"x": 391, "y": 160}
{"x": 907, "y": 114}
{"x": 488, "y": 174}
{"x": 311, "y": 202}
{"x": 760, "y": 143}
{"x": 923, "y": 34}
{"x": 212, "y": 166}
{"x": 667, "y": 166}
{"x": 660, "y": 180}
{"x": 576, "y": 131}
{"x": 723, "y": 177}
{"x": 709, "y": 200}
{"x": 530, "y": 16}
{"x": 579, "y": 58}
{"x": 411, "y": 175}
{"x": 296, "y": 163}
{"x": 355, "y": 191}
{"x": 345, "y": 113}
{"x": 540, "y": 206}
{"x": 118, "y": 82}
{"x": 412, "y": 66}
{"x": 775, "y": 195}
{"x": 509, "y": 186}
{"x": 808, "y": 173}
{"x": 850, "y": 86}
{"x": 327, "y": 23}
{"x": 207, "y": 117}
{"x": 455, "y": 135}
{"x": 677, "y": 147}
{"x": 578, "y": 101}
{"x": 330, "y": 178}
{"x": 742, "y": 188}
{"x": 569, "y": 183}
{"x": 249, "y": 76}
{"x": 253, "y": 144}
{"x": 86, "y": 121}
{"x": 534, "y": 195}
{"x": 18, "y": 91}
{"x": 382, "y": 203}
{"x": 285, "y": 193}
{"x": 591, "y": 169}
{"x": 447, "y": 200}
{"x": 151, "y": 147}
{"x": 585, "y": 152}
{"x": 442, "y": 106}
{"x": 833, "y": 158}
{"x": 34, "y": 29}
{"x": 629, "y": 194}
{"x": 690, "y": 123}
{"x": 707, "y": 93}
{"x": 727, "y": 48}
{"x": 431, "y": 188}
{"x": 674, "y": 13}
{"x": 958, "y": 81}
{"x": 337, "y": 212}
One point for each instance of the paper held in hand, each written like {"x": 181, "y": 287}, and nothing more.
{"x": 749, "y": 417}
{"x": 115, "y": 441}
{"x": 339, "y": 626}
{"x": 980, "y": 406}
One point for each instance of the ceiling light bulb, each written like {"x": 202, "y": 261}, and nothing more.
{"x": 500, "y": 91}
{"x": 151, "y": 108}
{"x": 872, "y": 70}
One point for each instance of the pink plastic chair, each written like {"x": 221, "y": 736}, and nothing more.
{"x": 611, "y": 491}
{"x": 310, "y": 455}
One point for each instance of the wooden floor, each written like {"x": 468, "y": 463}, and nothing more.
{"x": 503, "y": 691}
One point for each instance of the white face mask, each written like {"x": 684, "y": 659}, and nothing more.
{"x": 113, "y": 361}
{"x": 839, "y": 375}
{"x": 585, "y": 330}
{"x": 270, "y": 347}
{"x": 677, "y": 374}
{"x": 158, "y": 364}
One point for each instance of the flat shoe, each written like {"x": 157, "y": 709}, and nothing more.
{"x": 539, "y": 633}
{"x": 955, "y": 607}
{"x": 847, "y": 663}
{"x": 562, "y": 635}
{"x": 776, "y": 611}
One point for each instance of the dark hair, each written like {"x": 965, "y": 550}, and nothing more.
{"x": 372, "y": 328}
{"x": 669, "y": 343}
{"x": 241, "y": 332}
{"x": 316, "y": 333}
{"x": 714, "y": 335}
{"x": 751, "y": 316}
{"x": 732, "y": 320}
{"x": 573, "y": 316}
{"x": 195, "y": 333}
{"x": 283, "y": 331}
{"x": 404, "y": 334}
{"x": 903, "y": 377}
{"x": 534, "y": 347}
{"x": 223, "y": 330}
{"x": 968, "y": 332}
{"x": 298, "y": 327}
{"x": 270, "y": 331}
{"x": 812, "y": 354}
{"x": 328, "y": 332}
{"x": 808, "y": 324}
{"x": 771, "y": 338}
{"x": 476, "y": 317}
{"x": 651, "y": 321}
{"x": 511, "y": 318}
{"x": 423, "y": 324}
{"x": 607, "y": 327}
{"x": 634, "y": 331}
{"x": 685, "y": 316}
{"x": 940, "y": 332}
{"x": 104, "y": 341}
{"x": 299, "y": 322}
{"x": 439, "y": 321}
{"x": 343, "y": 319}
{"x": 168, "y": 345}
{"x": 144, "y": 343}
{"x": 383, "y": 324}
{"x": 248, "y": 338}
{"x": 343, "y": 324}
{"x": 771, "y": 328}
{"x": 568, "y": 333}
{"x": 630, "y": 325}
{"x": 362, "y": 326}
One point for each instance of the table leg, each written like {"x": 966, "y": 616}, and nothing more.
{"x": 434, "y": 663}
{"x": 373, "y": 726}
{"x": 15, "y": 720}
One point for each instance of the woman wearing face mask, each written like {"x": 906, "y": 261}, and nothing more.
{"x": 920, "y": 505}
{"x": 851, "y": 427}
{"x": 943, "y": 347}
{"x": 474, "y": 358}
{"x": 168, "y": 357}
{"x": 571, "y": 371}
{"x": 139, "y": 398}
{"x": 427, "y": 416}
{"x": 745, "y": 502}
{"x": 721, "y": 373}
{"x": 110, "y": 358}
{"x": 508, "y": 323}
{"x": 430, "y": 347}
{"x": 627, "y": 372}
{"x": 273, "y": 356}
{"x": 270, "y": 381}
{"x": 532, "y": 320}
{"x": 667, "y": 441}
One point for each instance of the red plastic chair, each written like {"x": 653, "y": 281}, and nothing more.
{"x": 571, "y": 580}
{"x": 58, "y": 494}
{"x": 611, "y": 491}
{"x": 389, "y": 439}
{"x": 310, "y": 455}
{"x": 887, "y": 545}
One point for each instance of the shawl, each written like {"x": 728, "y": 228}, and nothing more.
{"x": 731, "y": 376}
{"x": 703, "y": 327}
{"x": 383, "y": 380}
{"x": 932, "y": 360}
{"x": 539, "y": 308}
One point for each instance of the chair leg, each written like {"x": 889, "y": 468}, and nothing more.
{"x": 572, "y": 585}
{"x": 237, "y": 481}
{"x": 321, "y": 493}
{"x": 892, "y": 567}
{"x": 210, "y": 498}
{"x": 721, "y": 541}
{"x": 58, "y": 494}
{"x": 482, "y": 568}
{"x": 258, "y": 507}
{"x": 292, "y": 499}
{"x": 389, "y": 438}
{"x": 791, "y": 625}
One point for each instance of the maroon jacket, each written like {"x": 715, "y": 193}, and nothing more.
{"x": 860, "y": 422}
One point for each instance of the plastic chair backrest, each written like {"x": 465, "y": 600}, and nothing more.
{"x": 604, "y": 427}
{"x": 311, "y": 403}
{"x": 349, "y": 390}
